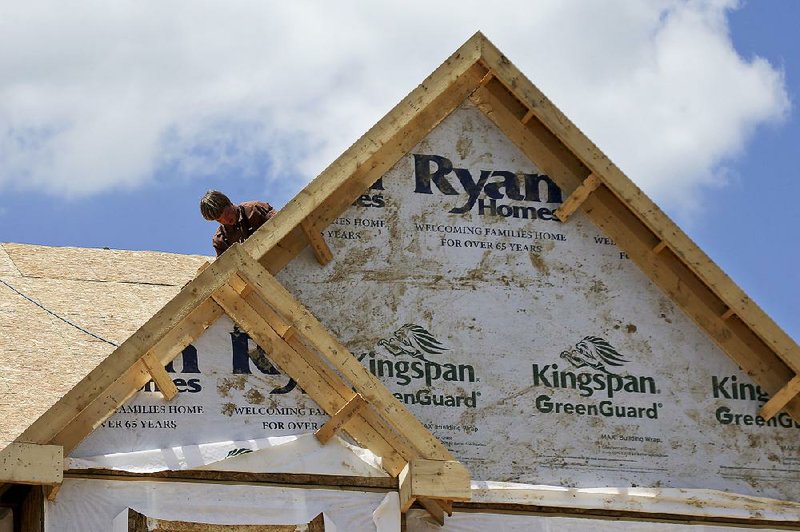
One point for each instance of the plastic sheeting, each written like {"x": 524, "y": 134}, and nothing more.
{"x": 416, "y": 521}
{"x": 679, "y": 502}
{"x": 285, "y": 454}
{"x": 92, "y": 505}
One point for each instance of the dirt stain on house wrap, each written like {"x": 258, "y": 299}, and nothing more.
{"x": 464, "y": 147}
{"x": 224, "y": 385}
{"x": 228, "y": 409}
{"x": 254, "y": 397}
{"x": 538, "y": 262}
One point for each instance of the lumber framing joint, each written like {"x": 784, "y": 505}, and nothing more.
{"x": 160, "y": 376}
{"x": 318, "y": 245}
{"x": 435, "y": 484}
{"x": 338, "y": 420}
{"x": 576, "y": 199}
{"x": 781, "y": 398}
{"x": 29, "y": 463}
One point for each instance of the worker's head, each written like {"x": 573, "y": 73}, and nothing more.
{"x": 215, "y": 206}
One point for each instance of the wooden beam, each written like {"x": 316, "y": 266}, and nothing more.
{"x": 307, "y": 377}
{"x": 29, "y": 463}
{"x": 404, "y": 488}
{"x": 728, "y": 314}
{"x": 434, "y": 509}
{"x": 93, "y": 386}
{"x": 317, "y": 242}
{"x": 440, "y": 479}
{"x": 576, "y": 199}
{"x": 353, "y": 406}
{"x": 371, "y": 157}
{"x": 373, "y": 390}
{"x": 780, "y": 399}
{"x": 160, "y": 376}
{"x": 564, "y": 131}
{"x": 375, "y": 423}
{"x": 137, "y": 375}
{"x": 263, "y": 309}
{"x": 661, "y": 246}
{"x": 664, "y": 269}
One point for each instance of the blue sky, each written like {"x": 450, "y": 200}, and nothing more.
{"x": 110, "y": 133}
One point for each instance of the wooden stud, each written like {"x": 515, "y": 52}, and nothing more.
{"x": 728, "y": 314}
{"x": 353, "y": 406}
{"x": 780, "y": 399}
{"x": 576, "y": 199}
{"x": 160, "y": 376}
{"x": 660, "y": 247}
{"x": 317, "y": 242}
{"x": 371, "y": 422}
{"x": 486, "y": 79}
{"x": 202, "y": 267}
{"x": 29, "y": 463}
{"x": 342, "y": 360}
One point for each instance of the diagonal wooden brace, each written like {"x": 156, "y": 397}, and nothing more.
{"x": 317, "y": 242}
{"x": 780, "y": 399}
{"x": 352, "y": 408}
{"x": 576, "y": 199}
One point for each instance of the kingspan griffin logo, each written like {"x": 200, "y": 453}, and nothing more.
{"x": 414, "y": 341}
{"x": 407, "y": 357}
{"x": 597, "y": 354}
{"x": 594, "y": 352}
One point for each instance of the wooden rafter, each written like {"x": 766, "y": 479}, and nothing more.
{"x": 342, "y": 360}
{"x": 137, "y": 375}
{"x": 94, "y": 386}
{"x": 327, "y": 396}
{"x": 618, "y": 221}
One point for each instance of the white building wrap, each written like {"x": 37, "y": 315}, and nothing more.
{"x": 534, "y": 349}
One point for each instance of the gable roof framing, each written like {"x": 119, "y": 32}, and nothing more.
{"x": 240, "y": 284}
{"x": 480, "y": 72}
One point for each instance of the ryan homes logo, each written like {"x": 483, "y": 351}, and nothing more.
{"x": 597, "y": 355}
{"x": 494, "y": 185}
{"x": 405, "y": 358}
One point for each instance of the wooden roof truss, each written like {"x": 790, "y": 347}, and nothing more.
{"x": 240, "y": 284}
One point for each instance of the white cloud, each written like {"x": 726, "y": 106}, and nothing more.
{"x": 98, "y": 95}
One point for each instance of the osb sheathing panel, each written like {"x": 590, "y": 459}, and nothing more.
{"x": 109, "y": 293}
{"x": 6, "y": 265}
{"x": 147, "y": 267}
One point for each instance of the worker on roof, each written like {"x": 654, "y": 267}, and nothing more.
{"x": 237, "y": 222}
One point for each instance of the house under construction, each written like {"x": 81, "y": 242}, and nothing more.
{"x": 472, "y": 319}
